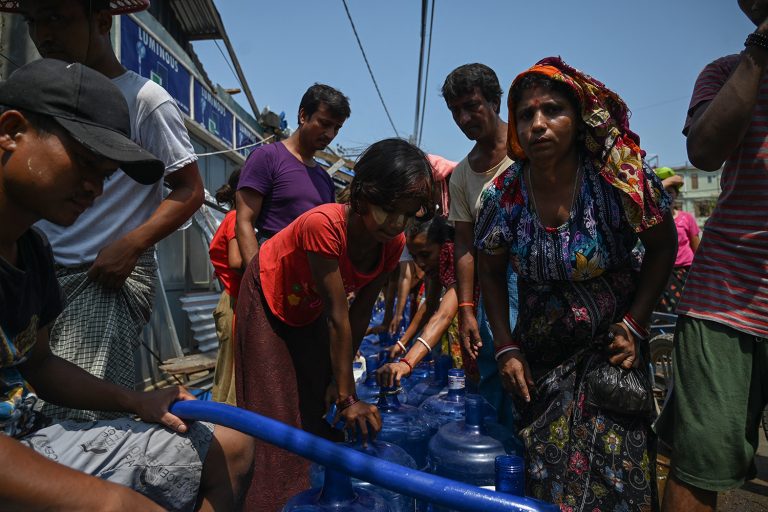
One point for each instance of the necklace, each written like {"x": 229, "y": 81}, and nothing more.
{"x": 533, "y": 193}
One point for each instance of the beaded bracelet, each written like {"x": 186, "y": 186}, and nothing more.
{"x": 755, "y": 39}
{"x": 347, "y": 402}
{"x": 426, "y": 345}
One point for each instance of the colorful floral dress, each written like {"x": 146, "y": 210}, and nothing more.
{"x": 574, "y": 281}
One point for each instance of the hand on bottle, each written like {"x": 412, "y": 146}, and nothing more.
{"x": 394, "y": 351}
{"x": 394, "y": 325}
{"x": 516, "y": 374}
{"x": 358, "y": 417}
{"x": 391, "y": 373}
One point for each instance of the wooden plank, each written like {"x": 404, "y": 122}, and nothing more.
{"x": 189, "y": 364}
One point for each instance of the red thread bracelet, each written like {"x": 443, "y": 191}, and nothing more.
{"x": 634, "y": 326}
{"x": 347, "y": 402}
{"x": 404, "y": 360}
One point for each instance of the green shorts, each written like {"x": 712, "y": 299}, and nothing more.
{"x": 712, "y": 418}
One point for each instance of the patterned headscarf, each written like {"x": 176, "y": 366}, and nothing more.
{"x": 613, "y": 148}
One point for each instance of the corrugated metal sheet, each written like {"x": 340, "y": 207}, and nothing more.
{"x": 197, "y": 18}
{"x": 199, "y": 309}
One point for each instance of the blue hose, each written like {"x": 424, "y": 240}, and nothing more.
{"x": 411, "y": 482}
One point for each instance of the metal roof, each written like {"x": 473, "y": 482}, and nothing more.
{"x": 198, "y": 18}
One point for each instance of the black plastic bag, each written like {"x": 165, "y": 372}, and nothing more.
{"x": 615, "y": 389}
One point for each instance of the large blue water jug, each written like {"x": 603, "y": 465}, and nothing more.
{"x": 370, "y": 345}
{"x": 466, "y": 451}
{"x": 419, "y": 374}
{"x": 434, "y": 384}
{"x": 449, "y": 406}
{"x": 446, "y": 407}
{"x": 382, "y": 450}
{"x": 337, "y": 495}
{"x": 368, "y": 390}
{"x": 510, "y": 475}
{"x": 403, "y": 425}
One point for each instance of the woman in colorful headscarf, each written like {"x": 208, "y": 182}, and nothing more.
{"x": 567, "y": 214}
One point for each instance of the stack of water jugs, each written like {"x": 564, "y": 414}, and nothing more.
{"x": 442, "y": 430}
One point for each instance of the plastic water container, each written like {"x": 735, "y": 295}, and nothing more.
{"x": 449, "y": 406}
{"x": 446, "y": 407}
{"x": 370, "y": 345}
{"x": 382, "y": 450}
{"x": 337, "y": 495}
{"x": 404, "y": 426}
{"x": 417, "y": 375}
{"x": 466, "y": 451}
{"x": 510, "y": 475}
{"x": 368, "y": 390}
{"x": 432, "y": 385}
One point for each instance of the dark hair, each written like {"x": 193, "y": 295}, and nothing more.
{"x": 337, "y": 103}
{"x": 437, "y": 229}
{"x": 532, "y": 80}
{"x": 226, "y": 193}
{"x": 390, "y": 170}
{"x": 463, "y": 80}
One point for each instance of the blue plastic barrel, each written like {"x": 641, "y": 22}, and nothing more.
{"x": 368, "y": 390}
{"x": 434, "y": 384}
{"x": 381, "y": 450}
{"x": 336, "y": 495}
{"x": 403, "y": 425}
{"x": 466, "y": 451}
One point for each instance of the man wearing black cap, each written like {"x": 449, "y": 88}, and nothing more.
{"x": 105, "y": 261}
{"x": 63, "y": 130}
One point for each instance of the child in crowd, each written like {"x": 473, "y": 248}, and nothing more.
{"x": 228, "y": 267}
{"x": 297, "y": 334}
{"x": 64, "y": 129}
{"x": 431, "y": 245}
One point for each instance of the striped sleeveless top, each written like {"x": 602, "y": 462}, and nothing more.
{"x": 728, "y": 281}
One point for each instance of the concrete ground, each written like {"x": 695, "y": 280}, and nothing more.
{"x": 753, "y": 495}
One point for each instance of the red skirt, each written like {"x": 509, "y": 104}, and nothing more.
{"x": 281, "y": 372}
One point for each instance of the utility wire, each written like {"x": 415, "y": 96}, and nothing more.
{"x": 370, "y": 71}
{"x": 421, "y": 69}
{"x": 226, "y": 59}
{"x": 426, "y": 75}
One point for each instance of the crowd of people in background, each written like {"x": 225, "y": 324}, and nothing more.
{"x": 520, "y": 260}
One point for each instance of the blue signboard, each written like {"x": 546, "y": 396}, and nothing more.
{"x": 142, "y": 53}
{"x": 213, "y": 114}
{"x": 245, "y": 137}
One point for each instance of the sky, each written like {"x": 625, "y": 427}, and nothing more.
{"x": 649, "y": 52}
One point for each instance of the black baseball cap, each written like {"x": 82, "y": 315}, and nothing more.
{"x": 88, "y": 106}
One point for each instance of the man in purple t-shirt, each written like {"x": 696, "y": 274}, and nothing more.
{"x": 281, "y": 181}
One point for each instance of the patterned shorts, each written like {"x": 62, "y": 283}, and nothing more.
{"x": 163, "y": 465}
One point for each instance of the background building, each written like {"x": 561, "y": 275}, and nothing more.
{"x": 158, "y": 44}
{"x": 699, "y": 192}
